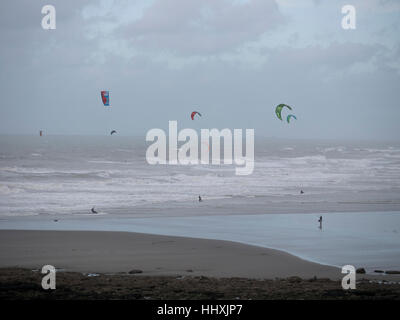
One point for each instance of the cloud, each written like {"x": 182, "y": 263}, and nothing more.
{"x": 202, "y": 27}
{"x": 336, "y": 56}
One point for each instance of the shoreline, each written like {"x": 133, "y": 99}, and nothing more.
{"x": 135, "y": 266}
{"x": 228, "y": 206}
{"x": 109, "y": 252}
{"x": 115, "y": 252}
{"x": 373, "y": 248}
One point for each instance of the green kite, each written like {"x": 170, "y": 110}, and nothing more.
{"x": 279, "y": 108}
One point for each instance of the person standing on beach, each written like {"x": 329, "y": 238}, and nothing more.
{"x": 320, "y": 222}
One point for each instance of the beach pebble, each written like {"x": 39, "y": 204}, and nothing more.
{"x": 360, "y": 270}
{"x": 392, "y": 272}
{"x": 294, "y": 279}
{"x": 134, "y": 271}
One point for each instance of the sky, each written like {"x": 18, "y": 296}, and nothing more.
{"x": 231, "y": 60}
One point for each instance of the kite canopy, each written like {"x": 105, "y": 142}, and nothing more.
{"x": 105, "y": 97}
{"x": 279, "y": 108}
{"x": 113, "y": 131}
{"x": 194, "y": 113}
{"x": 289, "y": 117}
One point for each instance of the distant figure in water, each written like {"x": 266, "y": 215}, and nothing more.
{"x": 200, "y": 200}
{"x": 320, "y": 222}
{"x": 301, "y": 191}
{"x": 94, "y": 211}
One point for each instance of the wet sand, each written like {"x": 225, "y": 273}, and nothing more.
{"x": 113, "y": 252}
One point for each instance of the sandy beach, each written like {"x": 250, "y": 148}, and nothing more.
{"x": 114, "y": 252}
{"x": 122, "y": 265}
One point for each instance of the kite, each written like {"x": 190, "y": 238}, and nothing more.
{"x": 105, "y": 97}
{"x": 194, "y": 113}
{"x": 289, "y": 117}
{"x": 113, "y": 131}
{"x": 279, "y": 108}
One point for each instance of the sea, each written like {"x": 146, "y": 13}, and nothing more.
{"x": 353, "y": 185}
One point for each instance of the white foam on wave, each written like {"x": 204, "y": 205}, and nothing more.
{"x": 63, "y": 181}
{"x": 7, "y": 189}
{"x": 110, "y": 162}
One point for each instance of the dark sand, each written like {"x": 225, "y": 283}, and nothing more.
{"x": 112, "y": 252}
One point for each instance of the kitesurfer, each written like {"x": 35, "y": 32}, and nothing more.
{"x": 200, "y": 200}
{"x": 93, "y": 211}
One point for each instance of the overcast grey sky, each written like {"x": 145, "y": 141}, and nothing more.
{"x": 232, "y": 60}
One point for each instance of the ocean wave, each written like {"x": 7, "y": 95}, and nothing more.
{"x": 71, "y": 182}
{"x": 6, "y": 190}
{"x": 110, "y": 162}
{"x": 52, "y": 173}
